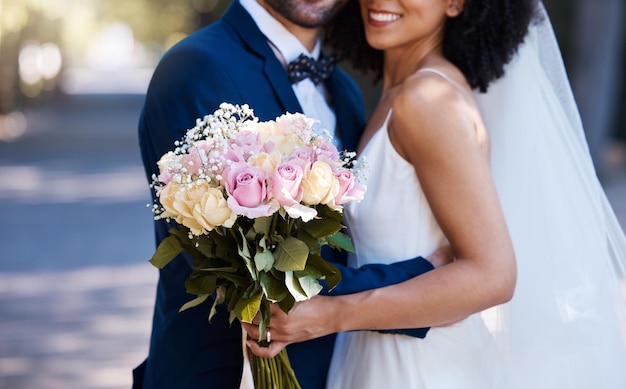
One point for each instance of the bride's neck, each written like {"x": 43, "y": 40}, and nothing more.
{"x": 400, "y": 63}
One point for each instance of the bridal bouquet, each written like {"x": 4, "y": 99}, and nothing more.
{"x": 254, "y": 202}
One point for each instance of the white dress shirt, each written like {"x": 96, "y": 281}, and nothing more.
{"x": 312, "y": 98}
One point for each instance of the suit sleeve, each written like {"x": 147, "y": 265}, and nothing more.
{"x": 377, "y": 275}
{"x": 184, "y": 87}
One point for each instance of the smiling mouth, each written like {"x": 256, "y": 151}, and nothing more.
{"x": 383, "y": 17}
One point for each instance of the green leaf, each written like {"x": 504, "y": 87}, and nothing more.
{"x": 291, "y": 254}
{"x": 167, "y": 250}
{"x": 287, "y": 303}
{"x": 228, "y": 269}
{"x": 201, "y": 285}
{"x": 236, "y": 280}
{"x": 197, "y": 301}
{"x": 246, "y": 309}
{"x": 341, "y": 241}
{"x": 310, "y": 286}
{"x": 309, "y": 271}
{"x": 294, "y": 287}
{"x": 329, "y": 272}
{"x": 244, "y": 253}
{"x": 326, "y": 212}
{"x": 262, "y": 225}
{"x": 274, "y": 289}
{"x": 219, "y": 298}
{"x": 320, "y": 228}
{"x": 264, "y": 260}
{"x": 206, "y": 247}
{"x": 252, "y": 290}
{"x": 313, "y": 243}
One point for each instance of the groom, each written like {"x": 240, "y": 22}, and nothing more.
{"x": 242, "y": 59}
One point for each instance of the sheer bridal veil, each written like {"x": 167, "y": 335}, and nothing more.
{"x": 565, "y": 327}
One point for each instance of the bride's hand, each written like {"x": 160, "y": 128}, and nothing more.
{"x": 305, "y": 321}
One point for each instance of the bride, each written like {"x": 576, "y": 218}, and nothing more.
{"x": 429, "y": 146}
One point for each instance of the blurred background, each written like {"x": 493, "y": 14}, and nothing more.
{"x": 76, "y": 291}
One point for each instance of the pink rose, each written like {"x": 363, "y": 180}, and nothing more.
{"x": 349, "y": 189}
{"x": 297, "y": 123}
{"x": 169, "y": 165}
{"x": 194, "y": 160}
{"x": 246, "y": 143}
{"x": 247, "y": 191}
{"x": 286, "y": 185}
{"x": 328, "y": 153}
{"x": 304, "y": 153}
{"x": 206, "y": 145}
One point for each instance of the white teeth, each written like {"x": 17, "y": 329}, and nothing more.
{"x": 383, "y": 16}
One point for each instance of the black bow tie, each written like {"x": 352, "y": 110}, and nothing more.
{"x": 307, "y": 67}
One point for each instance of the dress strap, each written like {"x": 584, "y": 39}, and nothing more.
{"x": 438, "y": 72}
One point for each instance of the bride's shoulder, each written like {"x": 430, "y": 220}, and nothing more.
{"x": 432, "y": 107}
{"x": 430, "y": 94}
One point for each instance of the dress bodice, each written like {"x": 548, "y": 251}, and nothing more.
{"x": 394, "y": 221}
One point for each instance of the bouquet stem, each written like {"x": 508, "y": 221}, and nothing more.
{"x": 273, "y": 373}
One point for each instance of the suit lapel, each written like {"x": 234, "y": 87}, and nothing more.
{"x": 256, "y": 43}
{"x": 348, "y": 109}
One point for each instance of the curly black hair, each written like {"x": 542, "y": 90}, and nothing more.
{"x": 480, "y": 41}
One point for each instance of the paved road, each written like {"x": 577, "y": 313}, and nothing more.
{"x": 76, "y": 291}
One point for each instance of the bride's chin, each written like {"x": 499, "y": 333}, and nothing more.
{"x": 375, "y": 41}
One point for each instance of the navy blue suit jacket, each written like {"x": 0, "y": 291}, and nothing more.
{"x": 230, "y": 61}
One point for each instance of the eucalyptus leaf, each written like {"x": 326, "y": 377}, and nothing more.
{"x": 291, "y": 254}
{"x": 168, "y": 249}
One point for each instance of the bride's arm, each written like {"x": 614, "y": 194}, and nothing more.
{"x": 454, "y": 173}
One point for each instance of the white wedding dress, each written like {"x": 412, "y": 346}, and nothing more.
{"x": 394, "y": 223}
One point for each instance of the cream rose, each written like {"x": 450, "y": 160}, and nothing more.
{"x": 266, "y": 161}
{"x": 166, "y": 198}
{"x": 184, "y": 203}
{"x": 320, "y": 184}
{"x": 212, "y": 210}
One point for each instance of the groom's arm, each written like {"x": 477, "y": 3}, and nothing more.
{"x": 377, "y": 275}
